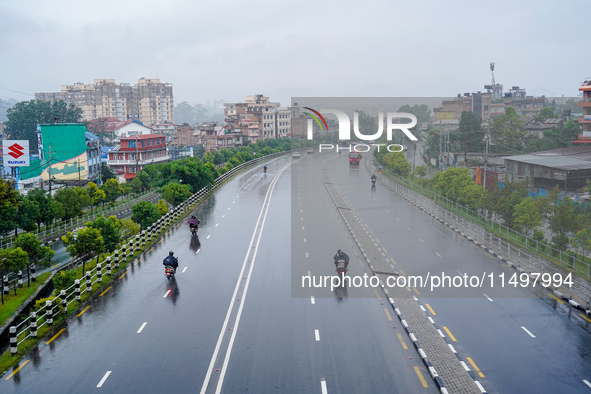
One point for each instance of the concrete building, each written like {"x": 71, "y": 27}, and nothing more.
{"x": 585, "y": 119}
{"x": 150, "y": 101}
{"x": 136, "y": 152}
{"x": 568, "y": 168}
{"x": 273, "y": 120}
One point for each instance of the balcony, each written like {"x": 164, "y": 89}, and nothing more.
{"x": 140, "y": 162}
{"x": 585, "y": 102}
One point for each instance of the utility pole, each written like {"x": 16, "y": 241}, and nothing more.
{"x": 49, "y": 169}
{"x": 79, "y": 181}
{"x": 414, "y": 154}
{"x": 485, "y": 157}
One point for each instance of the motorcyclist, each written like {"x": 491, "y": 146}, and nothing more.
{"x": 264, "y": 168}
{"x": 341, "y": 256}
{"x": 171, "y": 260}
{"x": 373, "y": 178}
{"x": 194, "y": 222}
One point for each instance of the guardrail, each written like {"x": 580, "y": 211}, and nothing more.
{"x": 29, "y": 326}
{"x": 512, "y": 249}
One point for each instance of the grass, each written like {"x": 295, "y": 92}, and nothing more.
{"x": 13, "y": 302}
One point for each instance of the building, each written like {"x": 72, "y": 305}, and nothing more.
{"x": 533, "y": 127}
{"x": 150, "y": 101}
{"x": 136, "y": 152}
{"x": 113, "y": 129}
{"x": 585, "y": 119}
{"x": 257, "y": 118}
{"x": 568, "y": 168}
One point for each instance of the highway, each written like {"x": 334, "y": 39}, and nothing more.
{"x": 237, "y": 318}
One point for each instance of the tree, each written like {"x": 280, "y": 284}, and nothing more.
{"x": 175, "y": 193}
{"x": 471, "y": 133}
{"x": 396, "y": 162}
{"x": 422, "y": 112}
{"x": 545, "y": 114}
{"x": 84, "y": 196}
{"x": 129, "y": 228}
{"x": 526, "y": 215}
{"x": 70, "y": 202}
{"x": 9, "y": 202}
{"x": 502, "y": 201}
{"x": 36, "y": 252}
{"x": 96, "y": 195}
{"x": 24, "y": 117}
{"x": 28, "y": 214}
{"x": 420, "y": 171}
{"x": 189, "y": 114}
{"x": 564, "y": 221}
{"x": 110, "y": 230}
{"x": 145, "y": 213}
{"x": 162, "y": 207}
{"x": 508, "y": 129}
{"x": 12, "y": 260}
{"x": 112, "y": 190}
{"x": 106, "y": 173}
{"x": 582, "y": 240}
{"x": 84, "y": 244}
{"x": 136, "y": 185}
{"x": 145, "y": 177}
{"x": 48, "y": 209}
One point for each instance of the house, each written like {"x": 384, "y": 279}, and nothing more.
{"x": 135, "y": 152}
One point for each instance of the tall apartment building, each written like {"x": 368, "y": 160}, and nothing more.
{"x": 585, "y": 120}
{"x": 274, "y": 120}
{"x": 150, "y": 101}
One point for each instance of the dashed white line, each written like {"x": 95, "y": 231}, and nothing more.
{"x": 437, "y": 254}
{"x": 184, "y": 269}
{"x": 103, "y": 379}
{"x": 198, "y": 250}
{"x": 317, "y": 335}
{"x": 408, "y": 228}
{"x": 312, "y": 300}
{"x": 228, "y": 208}
{"x": 490, "y": 299}
{"x": 526, "y": 330}
{"x": 302, "y": 218}
{"x": 304, "y": 239}
{"x": 323, "y": 386}
{"x": 420, "y": 239}
{"x": 234, "y": 202}
{"x": 142, "y": 327}
{"x": 397, "y": 219}
{"x": 587, "y": 383}
{"x": 303, "y": 228}
{"x": 166, "y": 294}
{"x": 224, "y": 215}
{"x": 307, "y": 254}
{"x": 216, "y": 224}
{"x": 208, "y": 236}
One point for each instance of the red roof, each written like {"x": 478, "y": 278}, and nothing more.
{"x": 579, "y": 141}
{"x": 129, "y": 176}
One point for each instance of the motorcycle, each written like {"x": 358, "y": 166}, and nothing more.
{"x": 341, "y": 267}
{"x": 373, "y": 181}
{"x": 194, "y": 225}
{"x": 264, "y": 170}
{"x": 169, "y": 271}
{"x": 193, "y": 229}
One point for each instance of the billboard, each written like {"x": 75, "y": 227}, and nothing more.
{"x": 16, "y": 153}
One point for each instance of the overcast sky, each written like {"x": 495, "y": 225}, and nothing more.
{"x": 229, "y": 49}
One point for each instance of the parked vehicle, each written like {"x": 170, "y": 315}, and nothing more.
{"x": 310, "y": 151}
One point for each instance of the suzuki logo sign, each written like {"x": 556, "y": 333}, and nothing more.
{"x": 16, "y": 153}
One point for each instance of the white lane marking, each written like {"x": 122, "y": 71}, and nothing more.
{"x": 198, "y": 250}
{"x": 323, "y": 386}
{"x": 317, "y": 335}
{"x": 312, "y": 300}
{"x": 391, "y": 266}
{"x": 387, "y": 211}
{"x": 208, "y": 236}
{"x": 526, "y": 330}
{"x": 303, "y": 228}
{"x": 458, "y": 271}
{"x": 234, "y": 202}
{"x": 166, "y": 294}
{"x": 437, "y": 254}
{"x": 142, "y": 327}
{"x": 103, "y": 379}
{"x": 304, "y": 239}
{"x": 420, "y": 239}
{"x": 184, "y": 269}
{"x": 228, "y": 208}
{"x": 397, "y": 219}
{"x": 224, "y": 215}
{"x": 309, "y": 273}
{"x": 302, "y": 218}
{"x": 259, "y": 224}
{"x": 587, "y": 383}
{"x": 307, "y": 254}
{"x": 490, "y": 299}
{"x": 216, "y": 224}
{"x": 408, "y": 228}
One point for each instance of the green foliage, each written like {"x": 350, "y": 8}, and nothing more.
{"x": 70, "y": 202}
{"x": 36, "y": 252}
{"x": 112, "y": 190}
{"x": 64, "y": 279}
{"x": 136, "y": 185}
{"x": 545, "y": 114}
{"x": 162, "y": 207}
{"x": 28, "y": 214}
{"x": 457, "y": 185}
{"x": 48, "y": 208}
{"x": 508, "y": 130}
{"x": 84, "y": 196}
{"x": 502, "y": 201}
{"x": 526, "y": 216}
{"x": 110, "y": 229}
{"x": 129, "y": 228}
{"x": 420, "y": 171}
{"x": 397, "y": 163}
{"x": 582, "y": 240}
{"x": 175, "y": 193}
{"x": 565, "y": 219}
{"x": 86, "y": 243}
{"x": 9, "y": 201}
{"x": 55, "y": 301}
{"x": 107, "y": 173}
{"x": 422, "y": 112}
{"x": 24, "y": 117}
{"x": 13, "y": 259}
{"x": 96, "y": 195}
{"x": 145, "y": 213}
{"x": 471, "y": 132}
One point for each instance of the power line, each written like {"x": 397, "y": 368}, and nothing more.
{"x": 16, "y": 91}
{"x": 28, "y": 75}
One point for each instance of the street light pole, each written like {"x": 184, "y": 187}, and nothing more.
{"x": 485, "y": 158}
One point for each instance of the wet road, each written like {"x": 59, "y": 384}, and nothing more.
{"x": 230, "y": 311}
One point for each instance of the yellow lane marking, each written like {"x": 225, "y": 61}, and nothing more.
{"x": 388, "y": 314}
{"x": 450, "y": 229}
{"x": 55, "y": 336}
{"x": 54, "y": 266}
{"x": 488, "y": 255}
{"x": 360, "y": 263}
{"x": 403, "y": 274}
{"x": 420, "y": 375}
{"x": 450, "y": 334}
{"x": 556, "y": 298}
{"x": 416, "y": 291}
{"x": 83, "y": 310}
{"x": 123, "y": 275}
{"x": 584, "y": 317}
{"x": 160, "y": 240}
{"x": 384, "y": 249}
{"x": 377, "y": 240}
{"x": 108, "y": 288}
{"x": 16, "y": 370}
{"x": 377, "y": 294}
{"x": 402, "y": 342}
{"x": 430, "y": 309}
{"x": 150, "y": 250}
{"x": 392, "y": 260}
{"x": 475, "y": 367}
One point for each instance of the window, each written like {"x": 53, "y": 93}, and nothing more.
{"x": 131, "y": 144}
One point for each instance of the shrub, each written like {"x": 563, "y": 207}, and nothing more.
{"x": 64, "y": 279}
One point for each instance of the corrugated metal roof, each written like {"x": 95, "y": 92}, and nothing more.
{"x": 554, "y": 160}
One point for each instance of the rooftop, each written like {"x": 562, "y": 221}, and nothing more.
{"x": 568, "y": 159}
